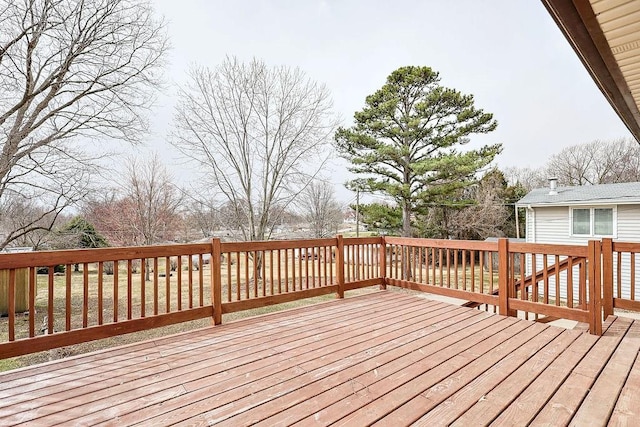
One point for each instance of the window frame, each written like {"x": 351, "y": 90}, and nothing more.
{"x": 592, "y": 209}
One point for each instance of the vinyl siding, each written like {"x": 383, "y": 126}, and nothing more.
{"x": 552, "y": 225}
{"x": 628, "y": 231}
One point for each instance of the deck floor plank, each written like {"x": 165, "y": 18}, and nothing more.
{"x": 602, "y": 397}
{"x": 315, "y": 396}
{"x": 252, "y": 394}
{"x": 526, "y": 406}
{"x": 491, "y": 404}
{"x": 320, "y": 356}
{"x": 627, "y": 411}
{"x": 355, "y": 408}
{"x": 216, "y": 348}
{"x": 478, "y": 377}
{"x": 390, "y": 358}
{"x": 23, "y": 376}
{"x": 194, "y": 364}
{"x": 278, "y": 360}
{"x": 567, "y": 399}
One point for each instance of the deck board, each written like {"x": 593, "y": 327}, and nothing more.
{"x": 387, "y": 358}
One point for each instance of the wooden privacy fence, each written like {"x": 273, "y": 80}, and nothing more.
{"x": 104, "y": 292}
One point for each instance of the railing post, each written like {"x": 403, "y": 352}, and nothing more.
{"x": 595, "y": 305}
{"x": 340, "y": 265}
{"x": 503, "y": 278}
{"x": 383, "y": 262}
{"x": 607, "y": 277}
{"x": 216, "y": 279}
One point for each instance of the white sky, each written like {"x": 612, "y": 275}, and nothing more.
{"x": 508, "y": 53}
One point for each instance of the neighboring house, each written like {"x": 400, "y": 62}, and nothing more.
{"x": 575, "y": 215}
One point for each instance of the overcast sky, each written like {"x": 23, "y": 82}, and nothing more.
{"x": 508, "y": 53}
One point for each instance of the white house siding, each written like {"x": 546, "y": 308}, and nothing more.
{"x": 628, "y": 231}
{"x": 551, "y": 225}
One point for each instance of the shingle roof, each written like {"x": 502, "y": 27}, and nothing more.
{"x": 626, "y": 192}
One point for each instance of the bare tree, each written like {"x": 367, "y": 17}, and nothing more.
{"x": 596, "y": 162}
{"x": 527, "y": 177}
{"x": 320, "y": 208}
{"x": 106, "y": 214}
{"x": 154, "y": 201}
{"x": 259, "y": 133}
{"x": 488, "y": 216}
{"x": 70, "y": 70}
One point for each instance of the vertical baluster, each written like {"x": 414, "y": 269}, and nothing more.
{"x": 440, "y": 267}
{"x": 570, "y": 282}
{"x": 557, "y": 277}
{"x": 455, "y": 268}
{"x": 229, "y": 274}
{"x": 464, "y": 270}
{"x": 238, "y": 278}
{"x": 491, "y": 283}
{"x": 473, "y": 271}
{"x": 280, "y": 270}
{"x": 619, "y": 275}
{"x": 167, "y": 283}
{"x": 143, "y": 286}
{"x": 115, "y": 291}
{"x": 545, "y": 279}
{"x": 100, "y": 292}
{"x": 11, "y": 304}
{"x": 32, "y": 301}
{"x": 448, "y": 254}
{"x": 50, "y": 302}
{"x": 85, "y": 295}
{"x": 67, "y": 297}
{"x": 324, "y": 263}
{"x": 263, "y": 265}
{"x": 481, "y": 267}
{"x": 179, "y": 282}
{"x": 286, "y": 270}
{"x": 433, "y": 266}
{"x": 301, "y": 279}
{"x": 333, "y": 259}
{"x": 633, "y": 276}
{"x": 129, "y": 287}
{"x": 190, "y": 279}
{"x": 156, "y": 276}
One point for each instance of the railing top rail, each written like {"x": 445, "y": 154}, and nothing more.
{"x": 265, "y": 245}
{"x": 549, "y": 249}
{"x": 443, "y": 243}
{"x": 362, "y": 240}
{"x": 626, "y": 246}
{"x": 79, "y": 256}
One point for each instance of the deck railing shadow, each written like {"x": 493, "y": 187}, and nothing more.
{"x": 121, "y": 290}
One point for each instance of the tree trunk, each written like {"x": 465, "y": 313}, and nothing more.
{"x": 406, "y": 232}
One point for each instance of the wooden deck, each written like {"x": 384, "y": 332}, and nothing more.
{"x": 386, "y": 358}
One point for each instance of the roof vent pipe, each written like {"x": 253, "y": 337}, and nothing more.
{"x": 553, "y": 186}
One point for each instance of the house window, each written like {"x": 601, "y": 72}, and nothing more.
{"x": 592, "y": 221}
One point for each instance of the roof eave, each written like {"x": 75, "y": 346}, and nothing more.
{"x": 578, "y": 203}
{"x": 579, "y": 25}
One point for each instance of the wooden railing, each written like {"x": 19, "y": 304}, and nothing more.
{"x": 621, "y": 275}
{"x": 120, "y": 290}
{"x": 551, "y": 280}
{"x": 453, "y": 268}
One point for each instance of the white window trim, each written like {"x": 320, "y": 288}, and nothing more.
{"x": 592, "y": 209}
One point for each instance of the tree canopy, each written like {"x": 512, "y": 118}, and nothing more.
{"x": 80, "y": 233}
{"x": 69, "y": 70}
{"x": 406, "y": 141}
{"x": 260, "y": 135}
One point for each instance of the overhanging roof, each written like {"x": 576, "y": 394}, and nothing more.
{"x": 602, "y": 194}
{"x": 606, "y": 36}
